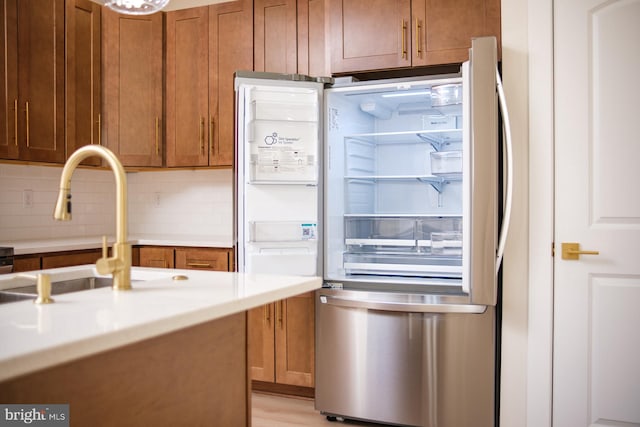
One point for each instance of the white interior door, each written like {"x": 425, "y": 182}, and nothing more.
{"x": 596, "y": 373}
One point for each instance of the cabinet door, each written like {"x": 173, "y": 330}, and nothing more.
{"x": 132, "y": 87}
{"x": 369, "y": 34}
{"x": 187, "y": 87}
{"x": 295, "y": 340}
{"x": 41, "y": 80}
{"x": 261, "y": 340}
{"x": 213, "y": 259}
{"x": 27, "y": 263}
{"x": 83, "y": 88}
{"x": 69, "y": 259}
{"x": 443, "y": 29}
{"x": 275, "y": 36}
{"x": 312, "y": 52}
{"x": 230, "y": 49}
{"x": 9, "y": 80}
{"x": 159, "y": 257}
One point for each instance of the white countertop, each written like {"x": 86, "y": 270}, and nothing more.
{"x": 83, "y": 323}
{"x": 23, "y": 247}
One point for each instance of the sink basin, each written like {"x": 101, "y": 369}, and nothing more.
{"x": 66, "y": 280}
{"x": 66, "y": 286}
{"x": 6, "y": 297}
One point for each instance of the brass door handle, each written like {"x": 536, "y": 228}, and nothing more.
{"x": 571, "y": 251}
{"x": 403, "y": 29}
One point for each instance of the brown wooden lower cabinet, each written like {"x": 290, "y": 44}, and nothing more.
{"x": 282, "y": 346}
{"x": 213, "y": 259}
{"x": 55, "y": 259}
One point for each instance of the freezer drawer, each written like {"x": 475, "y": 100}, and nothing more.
{"x": 432, "y": 367}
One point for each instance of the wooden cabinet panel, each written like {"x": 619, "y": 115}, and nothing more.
{"x": 36, "y": 110}
{"x": 312, "y": 52}
{"x": 187, "y": 87}
{"x": 203, "y": 259}
{"x": 9, "y": 79}
{"x": 261, "y": 343}
{"x": 26, "y": 263}
{"x": 230, "y": 50}
{"x": 132, "y": 87}
{"x": 369, "y": 34}
{"x": 158, "y": 257}
{"x": 383, "y": 34}
{"x": 294, "y": 340}
{"x": 83, "y": 83}
{"x": 442, "y": 29}
{"x": 282, "y": 343}
{"x": 71, "y": 258}
{"x": 275, "y": 36}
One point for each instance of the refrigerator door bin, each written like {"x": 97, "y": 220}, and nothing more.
{"x": 283, "y": 151}
{"x": 446, "y": 163}
{"x": 280, "y": 103}
{"x": 284, "y": 258}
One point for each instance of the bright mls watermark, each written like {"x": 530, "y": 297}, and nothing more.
{"x": 34, "y": 415}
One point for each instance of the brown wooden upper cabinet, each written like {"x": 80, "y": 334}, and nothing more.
{"x": 384, "y": 34}
{"x": 289, "y": 37}
{"x": 33, "y": 80}
{"x": 205, "y": 46}
{"x": 83, "y": 68}
{"x": 132, "y": 87}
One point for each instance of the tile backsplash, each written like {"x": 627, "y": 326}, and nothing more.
{"x": 162, "y": 203}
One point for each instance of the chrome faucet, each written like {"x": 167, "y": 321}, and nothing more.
{"x": 119, "y": 265}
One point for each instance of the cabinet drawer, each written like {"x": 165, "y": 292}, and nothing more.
{"x": 202, "y": 259}
{"x": 158, "y": 257}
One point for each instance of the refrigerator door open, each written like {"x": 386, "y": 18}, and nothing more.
{"x": 411, "y": 180}
{"x": 278, "y": 172}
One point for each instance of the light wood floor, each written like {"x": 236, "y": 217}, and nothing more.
{"x": 278, "y": 411}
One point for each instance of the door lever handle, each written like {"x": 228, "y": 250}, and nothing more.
{"x": 571, "y": 251}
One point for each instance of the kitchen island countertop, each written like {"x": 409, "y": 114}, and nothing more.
{"x": 88, "y": 322}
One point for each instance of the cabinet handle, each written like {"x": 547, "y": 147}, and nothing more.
{"x": 26, "y": 110}
{"x": 99, "y": 129}
{"x": 211, "y": 124}
{"x": 15, "y": 121}
{"x": 267, "y": 313}
{"x": 403, "y": 28}
{"x": 199, "y": 264}
{"x": 279, "y": 310}
{"x": 157, "y": 132}
{"x": 202, "y": 135}
{"x": 418, "y": 36}
{"x": 162, "y": 262}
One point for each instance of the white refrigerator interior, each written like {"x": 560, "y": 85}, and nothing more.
{"x": 395, "y": 160}
{"x": 278, "y": 171}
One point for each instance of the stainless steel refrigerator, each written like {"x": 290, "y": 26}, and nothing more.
{"x": 389, "y": 190}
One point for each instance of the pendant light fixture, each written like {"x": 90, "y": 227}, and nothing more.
{"x": 136, "y": 7}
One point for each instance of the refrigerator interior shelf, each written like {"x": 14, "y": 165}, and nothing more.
{"x": 437, "y": 182}
{"x": 438, "y": 137}
{"x": 381, "y": 242}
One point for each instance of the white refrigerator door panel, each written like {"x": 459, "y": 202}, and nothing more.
{"x": 278, "y": 162}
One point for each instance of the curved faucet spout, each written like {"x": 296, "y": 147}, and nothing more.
{"x": 120, "y": 263}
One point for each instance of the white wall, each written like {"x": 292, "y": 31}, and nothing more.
{"x": 164, "y": 203}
